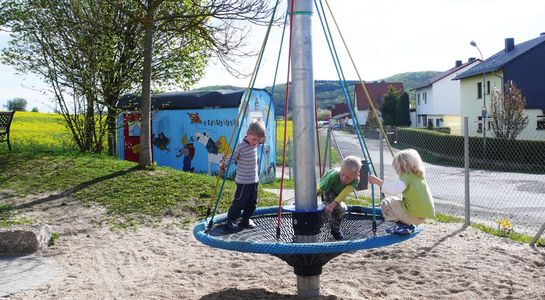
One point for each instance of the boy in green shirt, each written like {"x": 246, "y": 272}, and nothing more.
{"x": 335, "y": 186}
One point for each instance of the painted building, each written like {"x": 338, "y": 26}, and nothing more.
{"x": 191, "y": 130}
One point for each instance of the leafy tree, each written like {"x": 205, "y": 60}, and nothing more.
{"x": 215, "y": 24}
{"x": 84, "y": 50}
{"x": 372, "y": 119}
{"x": 35, "y": 109}
{"x": 403, "y": 117}
{"x": 507, "y": 112}
{"x": 17, "y": 104}
{"x": 389, "y": 106}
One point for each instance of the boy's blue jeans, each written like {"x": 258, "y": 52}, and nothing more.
{"x": 245, "y": 202}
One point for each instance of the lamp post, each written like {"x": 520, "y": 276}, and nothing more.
{"x": 484, "y": 110}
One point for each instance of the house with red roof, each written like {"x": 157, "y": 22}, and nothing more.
{"x": 376, "y": 91}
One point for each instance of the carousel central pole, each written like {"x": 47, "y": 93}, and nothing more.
{"x": 306, "y": 226}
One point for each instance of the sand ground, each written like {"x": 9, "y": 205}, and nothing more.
{"x": 164, "y": 261}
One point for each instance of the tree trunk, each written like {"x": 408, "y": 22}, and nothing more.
{"x": 112, "y": 130}
{"x": 145, "y": 125}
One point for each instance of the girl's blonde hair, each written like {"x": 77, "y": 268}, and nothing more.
{"x": 409, "y": 161}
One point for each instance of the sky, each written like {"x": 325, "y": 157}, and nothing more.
{"x": 384, "y": 38}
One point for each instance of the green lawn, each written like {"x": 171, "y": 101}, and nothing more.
{"x": 127, "y": 192}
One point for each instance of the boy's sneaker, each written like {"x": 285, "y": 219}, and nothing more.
{"x": 232, "y": 225}
{"x": 249, "y": 224}
{"x": 337, "y": 235}
{"x": 404, "y": 229}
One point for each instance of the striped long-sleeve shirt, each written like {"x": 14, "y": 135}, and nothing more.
{"x": 245, "y": 157}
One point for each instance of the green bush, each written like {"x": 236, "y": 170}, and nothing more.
{"x": 502, "y": 155}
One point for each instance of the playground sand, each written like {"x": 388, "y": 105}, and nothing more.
{"x": 166, "y": 262}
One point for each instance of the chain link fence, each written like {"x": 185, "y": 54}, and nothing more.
{"x": 506, "y": 177}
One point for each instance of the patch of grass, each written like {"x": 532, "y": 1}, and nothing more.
{"x": 54, "y": 237}
{"x": 444, "y": 218}
{"x": 517, "y": 237}
{"x": 130, "y": 195}
{"x": 7, "y": 219}
{"x": 335, "y": 157}
{"x": 288, "y": 184}
{"x": 361, "y": 201}
{"x": 501, "y": 231}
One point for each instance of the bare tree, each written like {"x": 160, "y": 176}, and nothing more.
{"x": 507, "y": 112}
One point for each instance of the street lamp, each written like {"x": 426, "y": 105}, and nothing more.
{"x": 484, "y": 110}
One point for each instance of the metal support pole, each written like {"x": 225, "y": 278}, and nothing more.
{"x": 306, "y": 227}
{"x": 484, "y": 113}
{"x": 303, "y": 105}
{"x": 466, "y": 174}
{"x": 326, "y": 149}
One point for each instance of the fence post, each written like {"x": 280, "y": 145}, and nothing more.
{"x": 539, "y": 233}
{"x": 466, "y": 176}
{"x": 290, "y": 156}
{"x": 381, "y": 151}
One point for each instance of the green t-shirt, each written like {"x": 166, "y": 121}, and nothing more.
{"x": 417, "y": 198}
{"x": 332, "y": 181}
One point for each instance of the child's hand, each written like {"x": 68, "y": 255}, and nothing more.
{"x": 375, "y": 180}
{"x": 223, "y": 167}
{"x": 330, "y": 207}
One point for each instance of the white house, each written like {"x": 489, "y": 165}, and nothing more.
{"x": 438, "y": 99}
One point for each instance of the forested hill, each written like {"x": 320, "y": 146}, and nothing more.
{"x": 329, "y": 92}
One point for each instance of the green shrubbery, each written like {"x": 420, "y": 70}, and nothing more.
{"x": 502, "y": 155}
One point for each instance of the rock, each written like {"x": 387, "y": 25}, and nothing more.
{"x": 24, "y": 239}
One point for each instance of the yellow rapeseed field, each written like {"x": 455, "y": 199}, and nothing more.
{"x": 39, "y": 131}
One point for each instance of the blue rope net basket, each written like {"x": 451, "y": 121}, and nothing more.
{"x": 306, "y": 258}
{"x": 356, "y": 226}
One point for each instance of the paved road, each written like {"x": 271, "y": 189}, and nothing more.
{"x": 24, "y": 272}
{"x": 494, "y": 195}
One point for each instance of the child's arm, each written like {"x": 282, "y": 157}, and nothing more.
{"x": 225, "y": 161}
{"x": 393, "y": 188}
{"x": 340, "y": 198}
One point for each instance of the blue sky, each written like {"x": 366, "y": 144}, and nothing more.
{"x": 385, "y": 37}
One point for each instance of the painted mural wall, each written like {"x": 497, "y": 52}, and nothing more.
{"x": 196, "y": 140}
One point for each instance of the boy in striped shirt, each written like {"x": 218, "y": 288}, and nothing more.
{"x": 247, "y": 177}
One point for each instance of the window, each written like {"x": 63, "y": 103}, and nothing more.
{"x": 480, "y": 128}
{"x": 418, "y": 98}
{"x": 425, "y": 97}
{"x": 540, "y": 123}
{"x": 480, "y": 89}
{"x": 437, "y": 122}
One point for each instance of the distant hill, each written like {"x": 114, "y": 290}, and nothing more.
{"x": 412, "y": 79}
{"x": 328, "y": 92}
